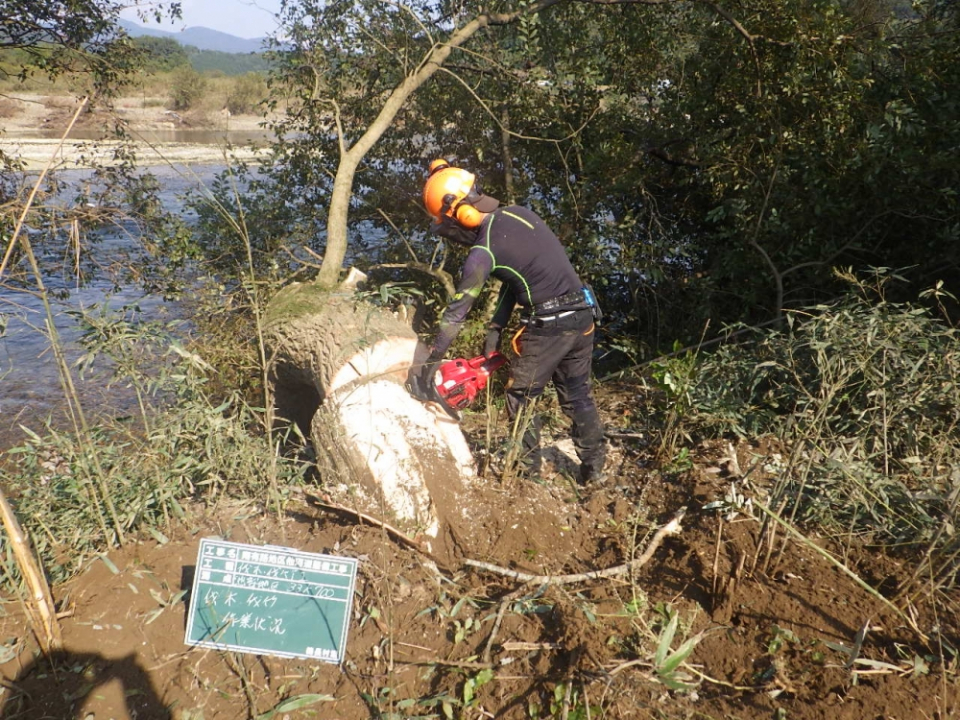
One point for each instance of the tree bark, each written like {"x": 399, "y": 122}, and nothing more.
{"x": 338, "y": 367}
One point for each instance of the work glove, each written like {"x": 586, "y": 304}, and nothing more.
{"x": 421, "y": 382}
{"x": 491, "y": 343}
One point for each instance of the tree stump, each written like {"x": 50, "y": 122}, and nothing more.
{"x": 338, "y": 369}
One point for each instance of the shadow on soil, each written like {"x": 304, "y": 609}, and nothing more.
{"x": 57, "y": 686}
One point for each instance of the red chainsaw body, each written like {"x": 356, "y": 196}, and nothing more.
{"x": 459, "y": 381}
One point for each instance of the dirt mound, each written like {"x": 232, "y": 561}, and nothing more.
{"x": 765, "y": 625}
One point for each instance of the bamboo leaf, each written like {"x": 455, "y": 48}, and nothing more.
{"x": 674, "y": 684}
{"x": 109, "y": 563}
{"x": 878, "y": 664}
{"x": 666, "y": 639}
{"x": 679, "y": 655}
{"x": 839, "y": 648}
{"x": 296, "y": 703}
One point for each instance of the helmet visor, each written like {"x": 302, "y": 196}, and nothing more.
{"x": 483, "y": 203}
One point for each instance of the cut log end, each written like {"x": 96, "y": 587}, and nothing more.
{"x": 339, "y": 368}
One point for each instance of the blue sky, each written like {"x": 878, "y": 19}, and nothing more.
{"x": 243, "y": 18}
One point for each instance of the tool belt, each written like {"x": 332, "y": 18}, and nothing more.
{"x": 571, "y": 298}
{"x": 546, "y": 320}
{"x": 584, "y": 297}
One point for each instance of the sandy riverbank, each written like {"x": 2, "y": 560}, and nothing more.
{"x": 33, "y": 128}
{"x": 35, "y": 153}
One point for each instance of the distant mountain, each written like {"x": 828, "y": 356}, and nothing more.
{"x": 199, "y": 37}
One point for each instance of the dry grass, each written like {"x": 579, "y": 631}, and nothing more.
{"x": 10, "y": 108}
{"x": 150, "y": 91}
{"x": 864, "y": 394}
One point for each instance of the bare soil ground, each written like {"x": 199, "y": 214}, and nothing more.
{"x": 761, "y": 615}
{"x": 765, "y": 614}
{"x": 33, "y": 128}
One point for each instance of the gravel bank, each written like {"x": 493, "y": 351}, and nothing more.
{"x": 35, "y": 153}
{"x": 32, "y": 125}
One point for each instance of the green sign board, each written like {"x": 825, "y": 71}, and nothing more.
{"x": 271, "y": 600}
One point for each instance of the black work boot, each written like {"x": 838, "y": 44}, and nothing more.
{"x": 591, "y": 473}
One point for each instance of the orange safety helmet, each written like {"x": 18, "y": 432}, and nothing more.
{"x": 453, "y": 192}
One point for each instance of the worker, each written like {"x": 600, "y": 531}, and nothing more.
{"x": 557, "y": 311}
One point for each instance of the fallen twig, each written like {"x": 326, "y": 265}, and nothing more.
{"x": 671, "y": 528}
{"x": 518, "y": 646}
{"x": 327, "y": 504}
{"x": 504, "y": 603}
{"x": 449, "y": 663}
{"x": 15, "y": 689}
{"x": 723, "y": 683}
{"x": 628, "y": 664}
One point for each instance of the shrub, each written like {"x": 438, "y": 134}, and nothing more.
{"x": 248, "y": 91}
{"x": 187, "y": 87}
{"x": 77, "y": 493}
{"x": 161, "y": 53}
{"x": 866, "y": 394}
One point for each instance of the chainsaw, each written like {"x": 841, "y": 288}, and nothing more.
{"x": 459, "y": 381}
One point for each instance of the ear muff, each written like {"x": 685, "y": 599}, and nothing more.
{"x": 467, "y": 215}
{"x": 463, "y": 212}
{"x": 450, "y": 192}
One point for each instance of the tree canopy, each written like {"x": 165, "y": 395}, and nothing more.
{"x": 162, "y": 53}
{"x": 702, "y": 162}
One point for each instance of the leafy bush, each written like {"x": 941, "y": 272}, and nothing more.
{"x": 866, "y": 393}
{"x": 187, "y": 87}
{"x": 161, "y": 53}
{"x": 228, "y": 64}
{"x": 78, "y": 495}
{"x": 247, "y": 93}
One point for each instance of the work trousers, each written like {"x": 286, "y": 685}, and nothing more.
{"x": 560, "y": 350}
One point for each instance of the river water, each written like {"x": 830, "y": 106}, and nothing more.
{"x": 30, "y": 389}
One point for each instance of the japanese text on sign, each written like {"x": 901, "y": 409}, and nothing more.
{"x": 271, "y": 601}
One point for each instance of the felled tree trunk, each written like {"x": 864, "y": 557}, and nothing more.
{"x": 338, "y": 370}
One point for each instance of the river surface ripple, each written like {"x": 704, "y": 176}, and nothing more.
{"x": 30, "y": 386}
